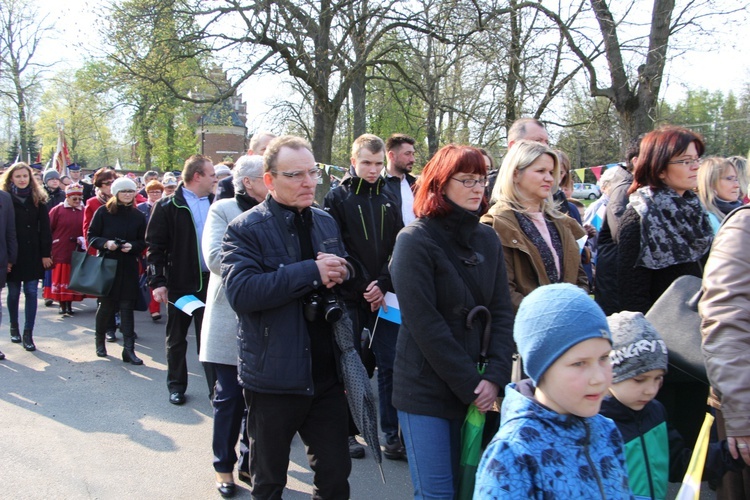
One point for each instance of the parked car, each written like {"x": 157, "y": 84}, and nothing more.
{"x": 583, "y": 190}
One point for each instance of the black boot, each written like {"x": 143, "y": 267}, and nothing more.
{"x": 70, "y": 308}
{"x": 128, "y": 351}
{"x": 101, "y": 348}
{"x": 15, "y": 336}
{"x": 28, "y": 341}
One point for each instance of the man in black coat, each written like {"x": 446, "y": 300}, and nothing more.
{"x": 177, "y": 267}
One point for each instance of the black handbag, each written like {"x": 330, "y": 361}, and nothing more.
{"x": 92, "y": 274}
{"x": 675, "y": 316}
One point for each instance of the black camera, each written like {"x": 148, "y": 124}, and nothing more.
{"x": 322, "y": 304}
{"x": 119, "y": 242}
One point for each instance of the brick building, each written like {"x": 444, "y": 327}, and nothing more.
{"x": 221, "y": 130}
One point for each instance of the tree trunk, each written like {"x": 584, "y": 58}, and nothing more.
{"x": 514, "y": 69}
{"x": 359, "y": 98}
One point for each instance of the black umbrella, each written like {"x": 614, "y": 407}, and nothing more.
{"x": 358, "y": 390}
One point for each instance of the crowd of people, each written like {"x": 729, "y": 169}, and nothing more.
{"x": 512, "y": 299}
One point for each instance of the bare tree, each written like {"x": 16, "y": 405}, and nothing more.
{"x": 634, "y": 63}
{"x": 21, "y": 31}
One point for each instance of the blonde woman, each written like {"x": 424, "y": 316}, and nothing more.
{"x": 718, "y": 189}
{"x": 35, "y": 255}
{"x": 539, "y": 242}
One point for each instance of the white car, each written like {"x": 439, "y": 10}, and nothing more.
{"x": 583, "y": 190}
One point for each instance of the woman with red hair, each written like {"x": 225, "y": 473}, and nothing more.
{"x": 665, "y": 233}
{"x": 449, "y": 273}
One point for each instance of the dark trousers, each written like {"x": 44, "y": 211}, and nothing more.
{"x": 321, "y": 420}
{"x": 178, "y": 324}
{"x": 105, "y": 315}
{"x": 230, "y": 413}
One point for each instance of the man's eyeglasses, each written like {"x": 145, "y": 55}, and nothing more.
{"x": 299, "y": 175}
{"x": 686, "y": 162}
{"x": 470, "y": 183}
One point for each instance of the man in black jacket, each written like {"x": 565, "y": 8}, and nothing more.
{"x": 177, "y": 267}
{"x": 399, "y": 182}
{"x": 274, "y": 258}
{"x": 369, "y": 221}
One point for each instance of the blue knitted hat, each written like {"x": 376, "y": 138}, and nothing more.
{"x": 551, "y": 320}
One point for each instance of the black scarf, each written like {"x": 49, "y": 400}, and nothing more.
{"x": 245, "y": 201}
{"x": 726, "y": 206}
{"x": 674, "y": 229}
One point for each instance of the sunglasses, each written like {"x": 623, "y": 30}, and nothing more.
{"x": 75, "y": 198}
{"x": 107, "y": 183}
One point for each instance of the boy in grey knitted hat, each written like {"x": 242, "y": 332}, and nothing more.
{"x": 655, "y": 453}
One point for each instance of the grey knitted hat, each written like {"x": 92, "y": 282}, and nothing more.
{"x": 637, "y": 346}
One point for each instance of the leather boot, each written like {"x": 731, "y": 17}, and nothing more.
{"x": 15, "y": 336}
{"x": 101, "y": 348}
{"x": 128, "y": 351}
{"x": 28, "y": 341}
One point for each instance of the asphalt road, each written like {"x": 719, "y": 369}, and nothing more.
{"x": 73, "y": 425}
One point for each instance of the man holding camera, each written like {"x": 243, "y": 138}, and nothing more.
{"x": 279, "y": 260}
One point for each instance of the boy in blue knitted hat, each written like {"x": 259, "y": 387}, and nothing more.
{"x": 655, "y": 453}
{"x": 552, "y": 442}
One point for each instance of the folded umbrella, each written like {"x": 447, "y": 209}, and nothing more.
{"x": 473, "y": 426}
{"x": 358, "y": 390}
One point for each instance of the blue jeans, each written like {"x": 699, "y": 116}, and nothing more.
{"x": 384, "y": 347}
{"x": 230, "y": 413}
{"x": 433, "y": 446}
{"x": 29, "y": 305}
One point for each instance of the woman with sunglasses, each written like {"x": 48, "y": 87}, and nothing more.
{"x": 66, "y": 221}
{"x": 719, "y": 189}
{"x": 103, "y": 179}
{"x": 118, "y": 231}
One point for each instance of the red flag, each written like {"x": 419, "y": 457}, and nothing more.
{"x": 61, "y": 160}
{"x": 597, "y": 171}
{"x": 38, "y": 157}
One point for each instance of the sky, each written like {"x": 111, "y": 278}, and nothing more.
{"x": 722, "y": 63}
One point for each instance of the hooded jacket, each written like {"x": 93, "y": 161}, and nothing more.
{"x": 541, "y": 454}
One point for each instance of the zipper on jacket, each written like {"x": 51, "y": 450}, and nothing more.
{"x": 376, "y": 246}
{"x": 362, "y": 219}
{"x": 198, "y": 243}
{"x": 586, "y": 444}
{"x": 645, "y": 456}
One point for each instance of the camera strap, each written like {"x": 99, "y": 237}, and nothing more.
{"x": 469, "y": 280}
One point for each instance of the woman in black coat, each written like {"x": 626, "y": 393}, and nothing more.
{"x": 665, "y": 233}
{"x": 35, "y": 245}
{"x": 435, "y": 376}
{"x": 118, "y": 231}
